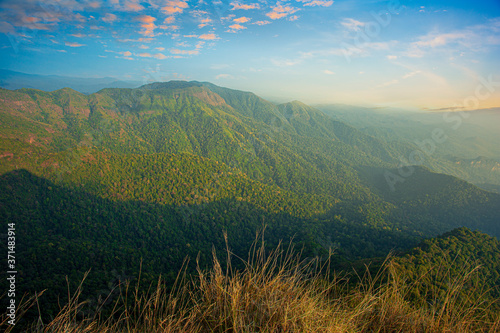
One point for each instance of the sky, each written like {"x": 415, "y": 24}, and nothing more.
{"x": 415, "y": 54}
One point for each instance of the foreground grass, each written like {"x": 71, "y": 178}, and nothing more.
{"x": 276, "y": 292}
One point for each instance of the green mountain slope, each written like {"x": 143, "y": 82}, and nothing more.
{"x": 438, "y": 265}
{"x": 159, "y": 172}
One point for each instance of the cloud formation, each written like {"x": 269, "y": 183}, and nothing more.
{"x": 147, "y": 25}
{"x": 174, "y": 7}
{"x": 311, "y": 3}
{"x": 73, "y": 44}
{"x": 237, "y": 5}
{"x": 280, "y": 11}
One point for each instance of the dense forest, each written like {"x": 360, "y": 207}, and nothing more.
{"x": 125, "y": 182}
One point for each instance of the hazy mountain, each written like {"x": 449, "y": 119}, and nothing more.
{"x": 16, "y": 80}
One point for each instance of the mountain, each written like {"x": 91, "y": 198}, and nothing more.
{"x": 17, "y": 80}
{"x": 461, "y": 261}
{"x": 464, "y": 138}
{"x": 161, "y": 171}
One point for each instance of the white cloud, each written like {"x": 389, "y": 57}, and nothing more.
{"x": 224, "y": 76}
{"x": 285, "y": 62}
{"x": 411, "y": 74}
{"x": 329, "y": 72}
{"x": 389, "y": 83}
{"x": 352, "y": 24}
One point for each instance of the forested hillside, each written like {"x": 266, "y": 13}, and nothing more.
{"x": 160, "y": 172}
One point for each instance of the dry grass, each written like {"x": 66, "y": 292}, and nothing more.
{"x": 277, "y": 292}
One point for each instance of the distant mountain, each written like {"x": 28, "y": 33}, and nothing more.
{"x": 467, "y": 137}
{"x": 16, "y": 80}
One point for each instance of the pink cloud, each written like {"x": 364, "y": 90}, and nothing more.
{"x": 147, "y": 25}
{"x": 133, "y": 6}
{"x": 188, "y": 52}
{"x": 237, "y": 5}
{"x": 74, "y": 44}
{"x": 280, "y": 11}
{"x": 109, "y": 18}
{"x": 169, "y": 20}
{"x": 204, "y": 22}
{"x": 169, "y": 27}
{"x": 262, "y": 22}
{"x": 237, "y": 27}
{"x": 94, "y": 4}
{"x": 174, "y": 6}
{"x": 323, "y": 3}
{"x": 210, "y": 36}
{"x": 242, "y": 19}
{"x": 160, "y": 56}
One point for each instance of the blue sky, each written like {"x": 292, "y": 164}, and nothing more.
{"x": 424, "y": 54}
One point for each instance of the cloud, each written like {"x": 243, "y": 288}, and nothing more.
{"x": 78, "y": 35}
{"x": 242, "y": 19}
{"x": 323, "y": 3}
{"x": 149, "y": 55}
{"x": 352, "y": 24}
{"x": 237, "y": 5}
{"x": 126, "y": 53}
{"x": 80, "y": 18}
{"x": 284, "y": 62}
{"x": 174, "y": 6}
{"x": 326, "y": 71}
{"x": 147, "y": 25}
{"x": 141, "y": 40}
{"x": 389, "y": 83}
{"x": 127, "y": 5}
{"x": 74, "y": 44}
{"x": 280, "y": 11}
{"x": 224, "y": 76}
{"x": 204, "y": 22}
{"x": 144, "y": 47}
{"x": 210, "y": 36}
{"x": 237, "y": 27}
{"x": 94, "y": 4}
{"x": 6, "y": 28}
{"x": 411, "y": 74}
{"x": 160, "y": 48}
{"x": 392, "y": 57}
{"x": 169, "y": 27}
{"x": 132, "y": 6}
{"x": 261, "y": 22}
{"x": 169, "y": 20}
{"x": 110, "y": 18}
{"x": 187, "y": 52}
{"x": 439, "y": 40}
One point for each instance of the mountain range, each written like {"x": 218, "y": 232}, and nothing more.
{"x": 125, "y": 178}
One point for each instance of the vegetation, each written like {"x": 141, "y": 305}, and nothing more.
{"x": 280, "y": 292}
{"x": 128, "y": 182}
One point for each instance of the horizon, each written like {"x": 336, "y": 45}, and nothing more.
{"x": 374, "y": 108}
{"x": 428, "y": 56}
